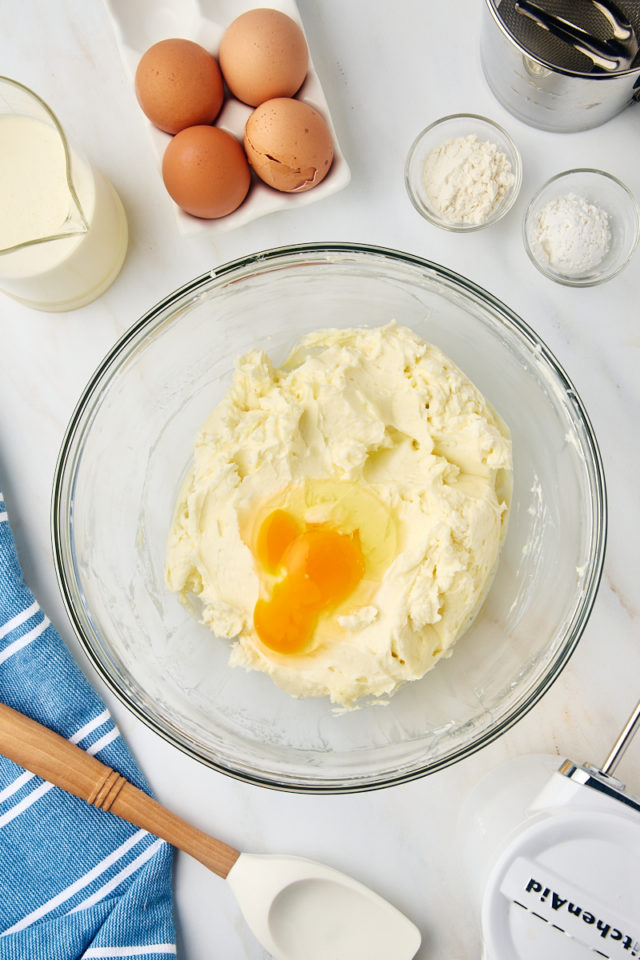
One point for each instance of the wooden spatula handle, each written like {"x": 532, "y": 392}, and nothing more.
{"x": 52, "y": 757}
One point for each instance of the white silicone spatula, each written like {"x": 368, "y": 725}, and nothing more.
{"x": 298, "y": 909}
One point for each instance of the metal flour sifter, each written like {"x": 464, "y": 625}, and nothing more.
{"x": 562, "y": 65}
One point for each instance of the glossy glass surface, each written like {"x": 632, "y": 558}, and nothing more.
{"x": 451, "y": 128}
{"x": 129, "y": 444}
{"x": 604, "y": 191}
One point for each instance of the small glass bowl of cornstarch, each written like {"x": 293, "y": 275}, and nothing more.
{"x": 463, "y": 172}
{"x": 582, "y": 227}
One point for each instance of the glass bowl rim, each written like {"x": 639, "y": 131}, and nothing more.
{"x": 508, "y": 200}
{"x": 121, "y": 349}
{"x": 569, "y": 281}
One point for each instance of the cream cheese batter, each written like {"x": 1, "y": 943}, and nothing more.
{"x": 378, "y": 435}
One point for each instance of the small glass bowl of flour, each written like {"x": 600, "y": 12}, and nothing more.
{"x": 463, "y": 172}
{"x": 582, "y": 227}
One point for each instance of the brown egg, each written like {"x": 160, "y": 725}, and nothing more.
{"x": 288, "y": 145}
{"x": 206, "y": 172}
{"x": 178, "y": 84}
{"x": 263, "y": 54}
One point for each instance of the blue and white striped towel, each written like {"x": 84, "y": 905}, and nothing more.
{"x": 74, "y": 881}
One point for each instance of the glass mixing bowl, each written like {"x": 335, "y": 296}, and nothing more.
{"x": 129, "y": 444}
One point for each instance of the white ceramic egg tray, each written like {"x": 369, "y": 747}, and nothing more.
{"x": 142, "y": 23}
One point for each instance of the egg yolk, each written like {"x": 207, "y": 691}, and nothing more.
{"x": 321, "y": 566}
{"x": 275, "y": 535}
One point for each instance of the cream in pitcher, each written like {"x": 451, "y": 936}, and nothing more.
{"x": 63, "y": 231}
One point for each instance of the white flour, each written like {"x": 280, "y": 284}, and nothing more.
{"x": 570, "y": 235}
{"x": 465, "y": 179}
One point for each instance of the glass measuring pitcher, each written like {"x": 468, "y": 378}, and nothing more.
{"x": 63, "y": 230}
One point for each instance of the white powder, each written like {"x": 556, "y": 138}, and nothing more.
{"x": 465, "y": 179}
{"x": 570, "y": 235}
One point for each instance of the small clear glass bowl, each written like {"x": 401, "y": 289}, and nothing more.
{"x": 451, "y": 128}
{"x": 604, "y": 191}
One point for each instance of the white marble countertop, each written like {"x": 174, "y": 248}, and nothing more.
{"x": 387, "y": 70}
